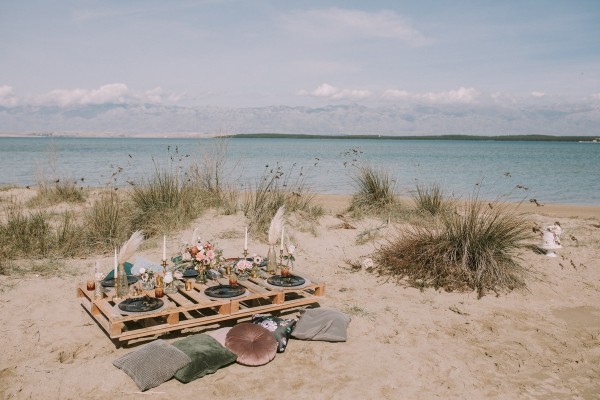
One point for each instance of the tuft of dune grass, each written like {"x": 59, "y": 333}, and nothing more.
{"x": 475, "y": 249}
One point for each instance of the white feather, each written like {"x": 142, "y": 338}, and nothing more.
{"x": 194, "y": 237}
{"x": 130, "y": 247}
{"x": 276, "y": 226}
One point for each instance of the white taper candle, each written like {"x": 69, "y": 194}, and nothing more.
{"x": 282, "y": 230}
{"x": 164, "y": 247}
{"x": 246, "y": 239}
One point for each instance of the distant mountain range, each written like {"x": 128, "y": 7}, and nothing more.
{"x": 413, "y": 120}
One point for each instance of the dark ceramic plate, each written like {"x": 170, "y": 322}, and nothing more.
{"x": 110, "y": 282}
{"x": 225, "y": 291}
{"x": 141, "y": 304}
{"x": 190, "y": 273}
{"x": 286, "y": 281}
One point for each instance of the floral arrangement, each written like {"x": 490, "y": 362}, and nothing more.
{"x": 289, "y": 257}
{"x": 256, "y": 260}
{"x": 146, "y": 275}
{"x": 199, "y": 255}
{"x": 243, "y": 267}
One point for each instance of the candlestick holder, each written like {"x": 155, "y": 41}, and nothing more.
{"x": 245, "y": 253}
{"x": 164, "y": 265}
{"x": 281, "y": 257}
{"x": 228, "y": 270}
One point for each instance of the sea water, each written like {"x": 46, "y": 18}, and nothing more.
{"x": 550, "y": 172}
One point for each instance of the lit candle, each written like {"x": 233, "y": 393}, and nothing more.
{"x": 116, "y": 263}
{"x": 282, "y": 229}
{"x": 246, "y": 240}
{"x": 164, "y": 247}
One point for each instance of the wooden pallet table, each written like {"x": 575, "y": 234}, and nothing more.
{"x": 189, "y": 309}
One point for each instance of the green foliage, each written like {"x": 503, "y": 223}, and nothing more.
{"x": 430, "y": 200}
{"x": 374, "y": 192}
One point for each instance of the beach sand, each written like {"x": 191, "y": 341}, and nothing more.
{"x": 403, "y": 343}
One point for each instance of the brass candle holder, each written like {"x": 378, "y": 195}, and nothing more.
{"x": 164, "y": 265}
{"x": 228, "y": 270}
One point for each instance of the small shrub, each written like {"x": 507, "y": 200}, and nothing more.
{"x": 375, "y": 192}
{"x": 106, "y": 222}
{"x": 59, "y": 191}
{"x": 275, "y": 189}
{"x": 430, "y": 200}
{"x": 476, "y": 249}
{"x": 163, "y": 202}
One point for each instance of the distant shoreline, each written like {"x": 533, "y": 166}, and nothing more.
{"x": 179, "y": 135}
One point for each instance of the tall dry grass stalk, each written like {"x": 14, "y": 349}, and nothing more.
{"x": 476, "y": 248}
{"x": 212, "y": 176}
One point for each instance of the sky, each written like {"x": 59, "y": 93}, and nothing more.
{"x": 483, "y": 62}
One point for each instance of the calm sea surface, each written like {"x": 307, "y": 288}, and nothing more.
{"x": 553, "y": 172}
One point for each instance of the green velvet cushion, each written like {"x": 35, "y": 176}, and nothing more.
{"x": 152, "y": 364}
{"x": 207, "y": 356}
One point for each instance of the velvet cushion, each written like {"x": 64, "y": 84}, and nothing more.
{"x": 207, "y": 356}
{"x": 152, "y": 364}
{"x": 253, "y": 344}
{"x": 322, "y": 324}
{"x": 279, "y": 327}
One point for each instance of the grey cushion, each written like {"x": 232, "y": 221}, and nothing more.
{"x": 207, "y": 357}
{"x": 322, "y": 324}
{"x": 152, "y": 364}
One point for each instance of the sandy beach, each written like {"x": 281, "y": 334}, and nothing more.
{"x": 403, "y": 343}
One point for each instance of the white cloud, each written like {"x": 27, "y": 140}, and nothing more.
{"x": 393, "y": 94}
{"x": 331, "y": 92}
{"x": 345, "y": 24}
{"x": 111, "y": 93}
{"x": 7, "y": 97}
{"x": 538, "y": 94}
{"x": 596, "y": 96}
{"x": 114, "y": 93}
{"x": 461, "y": 95}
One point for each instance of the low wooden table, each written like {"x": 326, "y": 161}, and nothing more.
{"x": 188, "y": 309}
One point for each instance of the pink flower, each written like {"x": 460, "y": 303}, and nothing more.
{"x": 200, "y": 256}
{"x": 210, "y": 254}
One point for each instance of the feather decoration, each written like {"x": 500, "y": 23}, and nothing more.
{"x": 194, "y": 238}
{"x": 129, "y": 247}
{"x": 276, "y": 226}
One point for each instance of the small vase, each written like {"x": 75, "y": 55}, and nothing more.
{"x": 121, "y": 284}
{"x": 170, "y": 283}
{"x": 201, "y": 278}
{"x": 243, "y": 276}
{"x": 98, "y": 290}
{"x": 272, "y": 260}
{"x": 148, "y": 284}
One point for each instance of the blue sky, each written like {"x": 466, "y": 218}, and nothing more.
{"x": 235, "y": 54}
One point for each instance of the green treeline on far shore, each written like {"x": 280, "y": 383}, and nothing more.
{"x": 506, "y": 138}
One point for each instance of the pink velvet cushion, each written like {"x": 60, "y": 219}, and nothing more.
{"x": 253, "y": 344}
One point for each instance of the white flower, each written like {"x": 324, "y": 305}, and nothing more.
{"x": 291, "y": 249}
{"x": 270, "y": 325}
{"x": 186, "y": 256}
{"x": 168, "y": 277}
{"x": 257, "y": 260}
{"x": 142, "y": 270}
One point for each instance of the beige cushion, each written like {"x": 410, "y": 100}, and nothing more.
{"x": 253, "y": 344}
{"x": 322, "y": 324}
